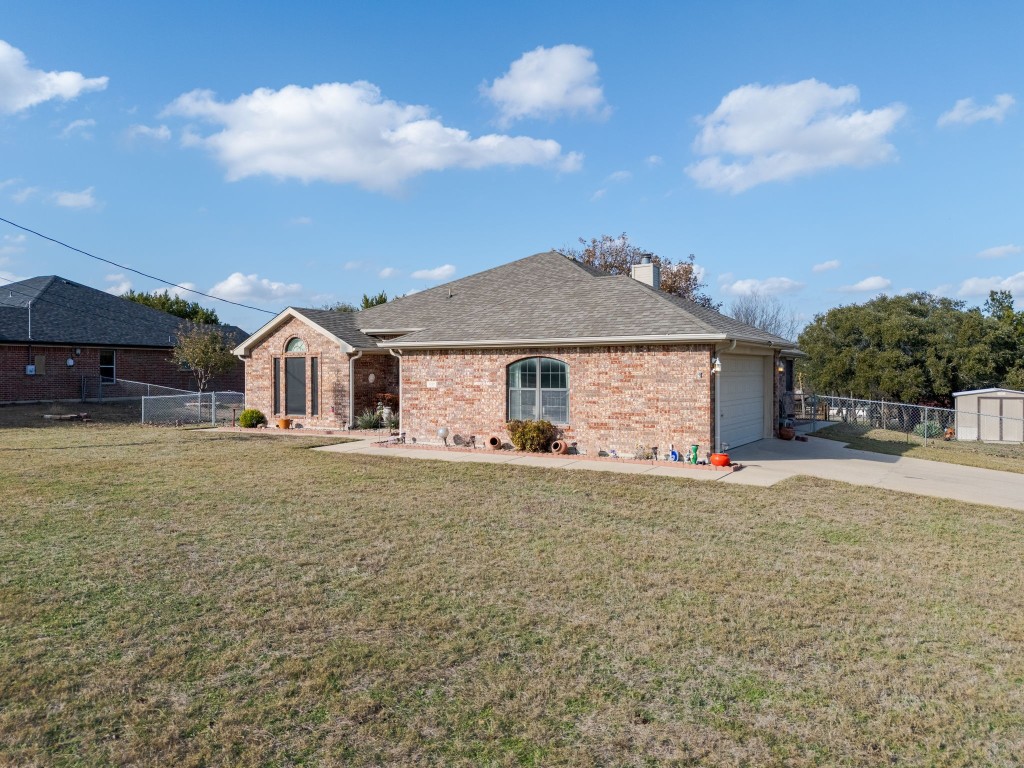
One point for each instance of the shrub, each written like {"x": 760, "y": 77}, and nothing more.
{"x": 368, "y": 419}
{"x": 251, "y": 418}
{"x": 534, "y": 436}
{"x": 392, "y": 423}
{"x": 928, "y": 429}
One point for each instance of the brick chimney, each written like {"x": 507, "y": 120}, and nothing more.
{"x": 647, "y": 272}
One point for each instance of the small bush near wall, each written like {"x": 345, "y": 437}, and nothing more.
{"x": 369, "y": 419}
{"x": 535, "y": 436}
{"x": 250, "y": 418}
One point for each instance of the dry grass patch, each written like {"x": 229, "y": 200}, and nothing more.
{"x": 1007, "y": 457}
{"x": 197, "y": 598}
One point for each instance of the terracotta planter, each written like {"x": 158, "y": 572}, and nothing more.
{"x": 284, "y": 423}
{"x": 560, "y": 446}
{"x": 720, "y": 459}
{"x": 494, "y": 443}
{"x": 786, "y": 433}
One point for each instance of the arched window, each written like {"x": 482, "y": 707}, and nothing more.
{"x": 296, "y": 345}
{"x": 538, "y": 388}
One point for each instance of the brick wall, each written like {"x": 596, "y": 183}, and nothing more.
{"x": 618, "y": 396}
{"x": 61, "y": 382}
{"x": 334, "y": 376}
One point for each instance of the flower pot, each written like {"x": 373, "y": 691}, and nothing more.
{"x": 559, "y": 446}
{"x": 284, "y": 423}
{"x": 720, "y": 459}
{"x": 494, "y": 443}
{"x": 786, "y": 433}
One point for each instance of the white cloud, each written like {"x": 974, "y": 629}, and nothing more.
{"x": 351, "y": 265}
{"x": 301, "y": 221}
{"x": 770, "y": 286}
{"x": 437, "y": 273}
{"x": 966, "y": 112}
{"x": 825, "y": 266}
{"x": 598, "y": 194}
{"x": 239, "y": 287}
{"x": 121, "y": 284}
{"x": 980, "y": 286}
{"x": 12, "y": 244}
{"x": 653, "y": 160}
{"x": 875, "y": 283}
{"x": 761, "y": 133}
{"x": 83, "y": 199}
{"x": 24, "y": 194}
{"x": 185, "y": 291}
{"x": 348, "y": 133}
{"x": 388, "y": 272}
{"x": 81, "y": 127}
{"x": 1000, "y": 251}
{"x": 137, "y": 131}
{"x": 22, "y": 87}
{"x": 547, "y": 82}
{"x": 619, "y": 177}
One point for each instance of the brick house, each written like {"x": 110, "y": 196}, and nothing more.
{"x": 60, "y": 340}
{"x": 611, "y": 360}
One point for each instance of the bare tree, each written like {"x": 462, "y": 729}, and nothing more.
{"x": 766, "y": 312}
{"x": 615, "y": 255}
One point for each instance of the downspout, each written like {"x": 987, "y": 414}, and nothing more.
{"x": 718, "y": 401}
{"x": 398, "y": 354}
{"x": 352, "y": 388}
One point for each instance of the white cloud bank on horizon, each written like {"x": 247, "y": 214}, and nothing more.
{"x": 1000, "y": 251}
{"x": 245, "y": 288}
{"x": 966, "y": 112}
{"x": 981, "y": 286}
{"x": 770, "y": 286}
{"x": 347, "y": 133}
{"x": 438, "y": 273}
{"x": 874, "y": 283}
{"x": 760, "y": 134}
{"x": 22, "y": 87}
{"x": 548, "y": 82}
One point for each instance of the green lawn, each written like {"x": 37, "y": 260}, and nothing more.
{"x": 191, "y": 598}
{"x": 1008, "y": 457}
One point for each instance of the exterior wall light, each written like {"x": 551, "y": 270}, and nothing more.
{"x": 716, "y": 365}
{"x": 71, "y": 362}
{"x": 443, "y": 434}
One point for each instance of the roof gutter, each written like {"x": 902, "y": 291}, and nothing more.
{"x": 398, "y": 354}
{"x": 352, "y": 388}
{"x": 577, "y": 341}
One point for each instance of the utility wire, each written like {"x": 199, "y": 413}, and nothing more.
{"x": 130, "y": 269}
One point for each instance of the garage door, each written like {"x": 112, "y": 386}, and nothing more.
{"x": 741, "y": 400}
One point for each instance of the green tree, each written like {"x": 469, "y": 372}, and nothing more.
{"x": 915, "y": 348}
{"x": 341, "y": 306}
{"x": 615, "y": 255}
{"x": 373, "y": 301}
{"x": 174, "y": 305}
{"x": 205, "y": 351}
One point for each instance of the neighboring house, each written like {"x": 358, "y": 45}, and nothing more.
{"x": 994, "y": 415}
{"x": 611, "y": 360}
{"x": 60, "y": 340}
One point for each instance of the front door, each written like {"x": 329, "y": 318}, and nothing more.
{"x": 295, "y": 386}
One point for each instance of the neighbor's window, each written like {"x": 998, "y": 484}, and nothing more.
{"x": 538, "y": 388}
{"x": 108, "y": 370}
{"x": 296, "y": 346}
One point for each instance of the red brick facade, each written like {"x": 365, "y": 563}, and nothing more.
{"x": 56, "y": 380}
{"x": 332, "y": 403}
{"x": 618, "y": 396}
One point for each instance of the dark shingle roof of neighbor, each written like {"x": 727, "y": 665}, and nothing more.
{"x": 549, "y": 297}
{"x": 65, "y": 312}
{"x": 341, "y": 324}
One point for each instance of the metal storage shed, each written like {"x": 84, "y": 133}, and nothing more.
{"x": 993, "y": 415}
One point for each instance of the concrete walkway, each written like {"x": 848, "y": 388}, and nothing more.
{"x": 765, "y": 463}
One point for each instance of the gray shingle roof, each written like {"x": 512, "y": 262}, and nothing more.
{"x": 549, "y": 297}
{"x": 65, "y": 312}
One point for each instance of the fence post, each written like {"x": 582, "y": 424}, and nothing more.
{"x": 143, "y": 410}
{"x": 213, "y": 408}
{"x": 926, "y": 425}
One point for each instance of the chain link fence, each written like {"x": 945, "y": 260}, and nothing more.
{"x": 96, "y": 389}
{"x": 192, "y": 408}
{"x": 923, "y": 421}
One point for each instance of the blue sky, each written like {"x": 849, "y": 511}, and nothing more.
{"x": 273, "y": 155}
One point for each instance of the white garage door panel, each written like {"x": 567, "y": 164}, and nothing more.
{"x": 741, "y": 394}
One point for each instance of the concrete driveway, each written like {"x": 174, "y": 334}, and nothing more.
{"x": 766, "y": 462}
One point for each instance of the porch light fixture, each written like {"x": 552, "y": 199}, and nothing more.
{"x": 781, "y": 368}
{"x": 443, "y": 434}
{"x": 716, "y": 365}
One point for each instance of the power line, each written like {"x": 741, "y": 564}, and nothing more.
{"x": 130, "y": 269}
